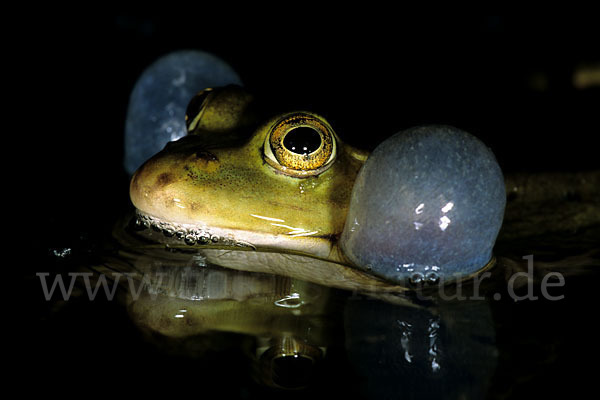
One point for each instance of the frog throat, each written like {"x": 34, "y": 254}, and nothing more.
{"x": 188, "y": 234}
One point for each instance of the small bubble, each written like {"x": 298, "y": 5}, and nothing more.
{"x": 139, "y": 225}
{"x": 203, "y": 239}
{"x": 168, "y": 232}
{"x": 497, "y": 296}
{"x": 155, "y": 228}
{"x": 416, "y": 278}
{"x": 145, "y": 223}
{"x": 190, "y": 240}
{"x": 432, "y": 277}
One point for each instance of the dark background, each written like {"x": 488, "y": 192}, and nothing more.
{"x": 506, "y": 80}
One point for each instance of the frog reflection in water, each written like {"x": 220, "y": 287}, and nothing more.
{"x": 285, "y": 196}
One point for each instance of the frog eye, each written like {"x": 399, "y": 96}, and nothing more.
{"x": 300, "y": 145}
{"x": 196, "y": 108}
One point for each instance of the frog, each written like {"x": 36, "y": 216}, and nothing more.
{"x": 282, "y": 194}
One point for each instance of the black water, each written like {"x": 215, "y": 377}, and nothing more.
{"x": 507, "y": 81}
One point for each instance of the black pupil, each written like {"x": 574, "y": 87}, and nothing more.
{"x": 302, "y": 140}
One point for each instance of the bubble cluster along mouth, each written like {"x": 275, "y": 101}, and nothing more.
{"x": 188, "y": 234}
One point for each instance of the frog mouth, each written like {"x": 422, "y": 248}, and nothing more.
{"x": 191, "y": 235}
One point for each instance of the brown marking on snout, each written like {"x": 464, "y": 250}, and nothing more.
{"x": 197, "y": 207}
{"x": 201, "y": 160}
{"x": 164, "y": 179}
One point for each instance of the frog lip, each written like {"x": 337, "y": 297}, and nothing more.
{"x": 187, "y": 233}
{"x": 196, "y": 234}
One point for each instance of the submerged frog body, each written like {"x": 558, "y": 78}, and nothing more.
{"x": 276, "y": 195}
